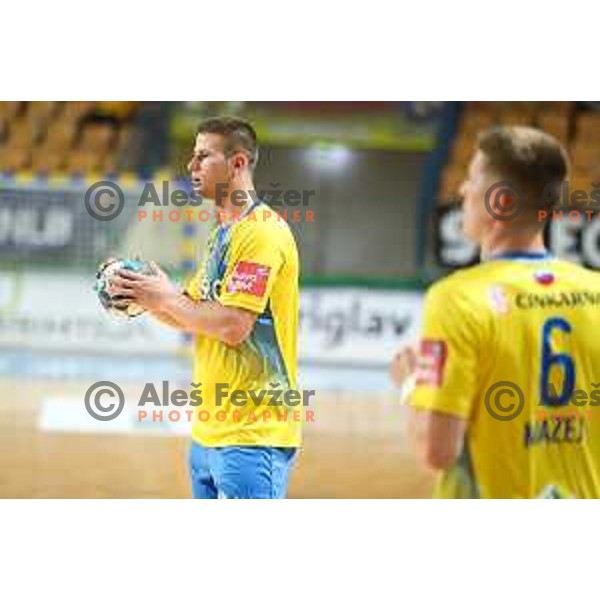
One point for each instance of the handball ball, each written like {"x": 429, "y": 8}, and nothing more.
{"x": 117, "y": 305}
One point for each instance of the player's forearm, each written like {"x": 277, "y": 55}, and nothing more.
{"x": 166, "y": 319}
{"x": 200, "y": 318}
{"x": 437, "y": 437}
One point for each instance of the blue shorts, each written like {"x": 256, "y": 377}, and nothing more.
{"x": 240, "y": 471}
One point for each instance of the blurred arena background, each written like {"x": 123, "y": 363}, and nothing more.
{"x": 383, "y": 177}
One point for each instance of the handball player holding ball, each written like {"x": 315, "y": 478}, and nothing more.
{"x": 242, "y": 307}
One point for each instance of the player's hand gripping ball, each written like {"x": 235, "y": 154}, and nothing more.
{"x": 115, "y": 304}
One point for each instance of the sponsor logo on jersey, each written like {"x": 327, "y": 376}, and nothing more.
{"x": 431, "y": 362}
{"x": 249, "y": 278}
{"x": 499, "y": 300}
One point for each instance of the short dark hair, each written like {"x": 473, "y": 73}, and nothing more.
{"x": 533, "y": 161}
{"x": 238, "y": 134}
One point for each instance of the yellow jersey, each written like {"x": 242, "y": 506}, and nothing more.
{"x": 251, "y": 263}
{"x": 511, "y": 346}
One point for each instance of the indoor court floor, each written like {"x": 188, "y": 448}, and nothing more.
{"x": 51, "y": 448}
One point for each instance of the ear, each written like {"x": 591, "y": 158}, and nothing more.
{"x": 502, "y": 205}
{"x": 506, "y": 201}
{"x": 239, "y": 161}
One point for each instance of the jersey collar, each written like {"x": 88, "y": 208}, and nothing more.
{"x": 241, "y": 216}
{"x": 522, "y": 255}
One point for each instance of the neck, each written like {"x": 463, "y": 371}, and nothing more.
{"x": 532, "y": 242}
{"x": 239, "y": 197}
